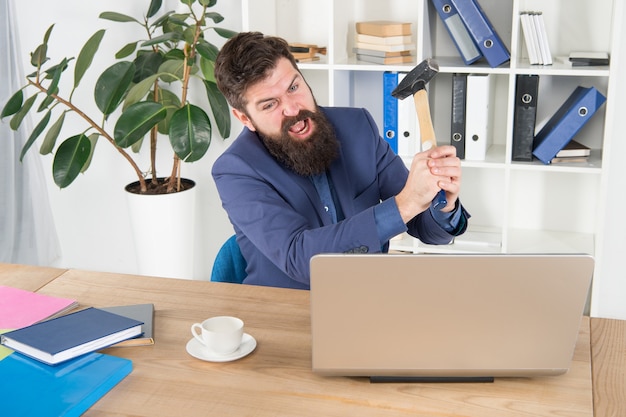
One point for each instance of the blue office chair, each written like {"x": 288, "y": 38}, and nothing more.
{"x": 229, "y": 265}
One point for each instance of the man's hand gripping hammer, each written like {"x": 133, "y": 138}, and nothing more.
{"x": 414, "y": 84}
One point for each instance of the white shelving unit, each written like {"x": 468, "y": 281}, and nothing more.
{"x": 515, "y": 207}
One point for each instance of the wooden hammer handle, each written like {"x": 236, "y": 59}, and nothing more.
{"x": 427, "y": 132}
{"x": 427, "y": 136}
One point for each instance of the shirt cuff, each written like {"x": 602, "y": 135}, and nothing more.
{"x": 449, "y": 221}
{"x": 388, "y": 220}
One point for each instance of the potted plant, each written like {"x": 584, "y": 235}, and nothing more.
{"x": 141, "y": 97}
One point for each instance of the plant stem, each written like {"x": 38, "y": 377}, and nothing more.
{"x": 100, "y": 130}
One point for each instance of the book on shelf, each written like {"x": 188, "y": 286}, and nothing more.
{"x": 139, "y": 312}
{"x": 20, "y": 308}
{"x": 400, "y": 59}
{"x": 31, "y": 388}
{"x": 306, "y": 52}
{"x": 384, "y": 28}
{"x": 544, "y": 45}
{"x": 573, "y": 148}
{"x": 382, "y": 54}
{"x": 569, "y": 159}
{"x": 536, "y": 38}
{"x": 66, "y": 337}
{"x": 386, "y": 48}
{"x": 579, "y": 58}
{"x": 383, "y": 40}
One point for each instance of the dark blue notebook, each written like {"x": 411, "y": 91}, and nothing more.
{"x": 32, "y": 389}
{"x": 67, "y": 337}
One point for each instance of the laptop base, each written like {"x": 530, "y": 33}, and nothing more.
{"x": 436, "y": 379}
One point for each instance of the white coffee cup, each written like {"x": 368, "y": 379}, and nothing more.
{"x": 222, "y": 334}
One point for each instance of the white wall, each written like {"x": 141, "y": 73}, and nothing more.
{"x": 91, "y": 214}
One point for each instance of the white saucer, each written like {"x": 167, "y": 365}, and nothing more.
{"x": 197, "y": 350}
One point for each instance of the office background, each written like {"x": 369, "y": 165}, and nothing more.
{"x": 93, "y": 226}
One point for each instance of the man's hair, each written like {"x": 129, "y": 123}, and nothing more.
{"x": 246, "y": 59}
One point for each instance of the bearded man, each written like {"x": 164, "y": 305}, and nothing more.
{"x": 301, "y": 179}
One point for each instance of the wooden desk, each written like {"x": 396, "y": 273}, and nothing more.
{"x": 608, "y": 347}
{"x": 276, "y": 379}
{"x": 27, "y": 277}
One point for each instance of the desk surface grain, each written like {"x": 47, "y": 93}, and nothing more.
{"x": 608, "y": 348}
{"x": 276, "y": 379}
{"x": 27, "y": 277}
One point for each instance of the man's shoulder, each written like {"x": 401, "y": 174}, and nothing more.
{"x": 337, "y": 112}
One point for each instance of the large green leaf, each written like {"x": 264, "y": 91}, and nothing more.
{"x": 155, "y": 5}
{"x": 225, "y": 33}
{"x": 93, "y": 138}
{"x": 219, "y": 108}
{"x": 208, "y": 69}
{"x": 172, "y": 103}
{"x": 69, "y": 159}
{"x": 85, "y": 57}
{"x": 112, "y": 85}
{"x": 139, "y": 91}
{"x": 190, "y": 133}
{"x": 51, "y": 136}
{"x": 207, "y": 50}
{"x": 216, "y": 17}
{"x": 16, "y": 120}
{"x": 14, "y": 104}
{"x": 128, "y": 49}
{"x": 136, "y": 121}
{"x": 117, "y": 17}
{"x": 167, "y": 37}
{"x": 172, "y": 70}
{"x": 35, "y": 134}
{"x": 163, "y": 19}
{"x": 146, "y": 64}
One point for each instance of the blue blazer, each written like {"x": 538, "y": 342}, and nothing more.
{"x": 279, "y": 219}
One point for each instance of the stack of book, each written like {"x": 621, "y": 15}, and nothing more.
{"x": 536, "y": 38}
{"x": 306, "y": 52}
{"x": 384, "y": 42}
{"x": 573, "y": 151}
{"x": 47, "y": 359}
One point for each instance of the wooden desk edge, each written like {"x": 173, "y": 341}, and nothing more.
{"x": 608, "y": 367}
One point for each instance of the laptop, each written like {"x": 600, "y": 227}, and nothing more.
{"x": 447, "y": 317}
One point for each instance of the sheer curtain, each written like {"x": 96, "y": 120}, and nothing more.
{"x": 27, "y": 232}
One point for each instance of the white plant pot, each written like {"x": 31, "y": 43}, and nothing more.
{"x": 163, "y": 230}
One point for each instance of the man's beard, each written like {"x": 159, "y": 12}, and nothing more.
{"x": 311, "y": 156}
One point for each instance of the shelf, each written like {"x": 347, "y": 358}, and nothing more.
{"x": 522, "y": 207}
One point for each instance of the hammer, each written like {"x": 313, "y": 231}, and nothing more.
{"x": 414, "y": 84}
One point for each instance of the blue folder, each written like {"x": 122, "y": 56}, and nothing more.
{"x": 390, "y": 110}
{"x": 32, "y": 389}
{"x": 457, "y": 30}
{"x": 482, "y": 31}
{"x": 581, "y": 105}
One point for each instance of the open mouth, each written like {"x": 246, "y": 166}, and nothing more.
{"x": 301, "y": 128}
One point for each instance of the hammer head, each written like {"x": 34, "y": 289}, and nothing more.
{"x": 416, "y": 79}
